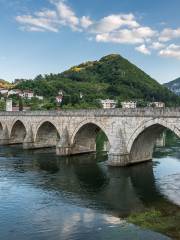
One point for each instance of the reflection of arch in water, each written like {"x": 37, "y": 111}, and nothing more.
{"x": 47, "y": 164}
{"x": 143, "y": 180}
{"x": 18, "y": 132}
{"x": 47, "y": 135}
{"x": 84, "y": 138}
{"x": 91, "y": 176}
{"x": 142, "y": 142}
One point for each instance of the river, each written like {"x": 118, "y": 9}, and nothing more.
{"x": 43, "y": 196}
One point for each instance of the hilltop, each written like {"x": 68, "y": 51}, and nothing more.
{"x": 5, "y": 84}
{"x": 174, "y": 86}
{"x": 111, "y": 77}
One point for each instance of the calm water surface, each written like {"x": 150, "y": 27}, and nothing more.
{"x": 43, "y": 196}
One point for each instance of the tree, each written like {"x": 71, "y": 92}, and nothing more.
{"x": 20, "y": 104}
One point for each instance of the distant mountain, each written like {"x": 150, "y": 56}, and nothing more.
{"x": 111, "y": 77}
{"x": 174, "y": 86}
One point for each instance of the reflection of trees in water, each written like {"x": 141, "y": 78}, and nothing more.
{"x": 143, "y": 180}
{"x": 49, "y": 165}
{"x": 91, "y": 177}
{"x": 171, "y": 148}
{"x": 120, "y": 190}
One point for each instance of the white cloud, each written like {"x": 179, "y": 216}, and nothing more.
{"x": 168, "y": 34}
{"x": 51, "y": 20}
{"x": 129, "y": 36}
{"x": 114, "y": 22}
{"x": 86, "y": 22}
{"x": 114, "y": 28}
{"x": 157, "y": 45}
{"x": 172, "y": 50}
{"x": 47, "y": 14}
{"x": 41, "y": 23}
{"x": 67, "y": 15}
{"x": 143, "y": 49}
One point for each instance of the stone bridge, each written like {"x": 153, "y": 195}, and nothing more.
{"x": 131, "y": 133}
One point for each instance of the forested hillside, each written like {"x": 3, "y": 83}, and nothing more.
{"x": 174, "y": 86}
{"x": 111, "y": 77}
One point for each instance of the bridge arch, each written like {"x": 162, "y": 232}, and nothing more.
{"x": 18, "y": 132}
{"x": 47, "y": 135}
{"x": 85, "y": 135}
{"x": 142, "y": 141}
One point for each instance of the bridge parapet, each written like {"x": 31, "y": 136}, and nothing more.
{"x": 136, "y": 112}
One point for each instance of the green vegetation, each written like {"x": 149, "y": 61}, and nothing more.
{"x": 101, "y": 139}
{"x": 111, "y": 77}
{"x": 165, "y": 221}
{"x": 2, "y": 105}
{"x": 174, "y": 86}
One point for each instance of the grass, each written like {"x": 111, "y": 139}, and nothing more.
{"x": 166, "y": 222}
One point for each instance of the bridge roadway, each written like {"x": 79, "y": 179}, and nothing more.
{"x": 131, "y": 133}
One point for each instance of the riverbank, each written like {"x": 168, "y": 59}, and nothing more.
{"x": 162, "y": 219}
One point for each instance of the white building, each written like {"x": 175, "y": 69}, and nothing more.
{"x": 28, "y": 94}
{"x": 39, "y": 97}
{"x": 156, "y": 104}
{"x": 3, "y": 91}
{"x": 130, "y": 104}
{"x": 108, "y": 103}
{"x": 59, "y": 99}
{"x": 9, "y": 105}
{"x": 14, "y": 92}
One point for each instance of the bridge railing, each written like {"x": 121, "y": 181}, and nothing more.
{"x": 139, "y": 112}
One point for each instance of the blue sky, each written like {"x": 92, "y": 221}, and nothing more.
{"x": 49, "y": 36}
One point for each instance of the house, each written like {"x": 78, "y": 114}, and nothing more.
{"x": 59, "y": 99}
{"x": 60, "y": 93}
{"x": 9, "y": 105}
{"x": 129, "y": 104}
{"x": 108, "y": 103}
{"x": 14, "y": 92}
{"x": 39, "y": 97}
{"x": 81, "y": 95}
{"x": 28, "y": 94}
{"x": 3, "y": 91}
{"x": 156, "y": 104}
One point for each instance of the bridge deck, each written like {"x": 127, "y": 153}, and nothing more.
{"x": 139, "y": 112}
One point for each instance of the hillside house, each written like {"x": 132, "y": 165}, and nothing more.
{"x": 59, "y": 99}
{"x": 108, "y": 103}
{"x": 129, "y": 104}
{"x": 156, "y": 104}
{"x": 28, "y": 94}
{"x": 3, "y": 91}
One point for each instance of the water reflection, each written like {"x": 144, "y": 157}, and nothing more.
{"x": 64, "y": 198}
{"x": 118, "y": 190}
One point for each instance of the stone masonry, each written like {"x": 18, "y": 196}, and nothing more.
{"x": 132, "y": 133}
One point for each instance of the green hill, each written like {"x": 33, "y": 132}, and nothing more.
{"x": 111, "y": 77}
{"x": 174, "y": 86}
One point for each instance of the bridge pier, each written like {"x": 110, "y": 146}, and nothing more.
{"x": 4, "y": 137}
{"x": 118, "y": 160}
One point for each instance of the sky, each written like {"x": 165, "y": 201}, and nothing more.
{"x": 49, "y": 36}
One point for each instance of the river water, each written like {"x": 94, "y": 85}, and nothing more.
{"x": 43, "y": 196}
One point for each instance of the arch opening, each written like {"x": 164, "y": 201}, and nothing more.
{"x": 144, "y": 144}
{"x": 47, "y": 136}
{"x": 90, "y": 138}
{"x": 18, "y": 133}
